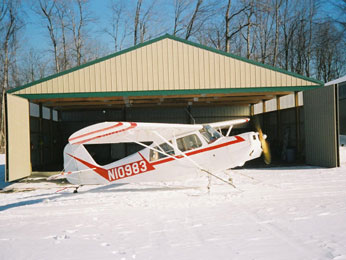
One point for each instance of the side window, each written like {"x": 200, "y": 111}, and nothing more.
{"x": 189, "y": 142}
{"x": 166, "y": 148}
{"x": 209, "y": 134}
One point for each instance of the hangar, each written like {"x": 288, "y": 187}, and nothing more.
{"x": 166, "y": 79}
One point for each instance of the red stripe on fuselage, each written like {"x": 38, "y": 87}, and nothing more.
{"x": 102, "y": 172}
{"x": 96, "y": 131}
{"x": 210, "y": 148}
{"x": 132, "y": 125}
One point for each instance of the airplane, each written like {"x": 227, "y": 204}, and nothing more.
{"x": 176, "y": 152}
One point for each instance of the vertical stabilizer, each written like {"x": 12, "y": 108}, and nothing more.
{"x": 79, "y": 151}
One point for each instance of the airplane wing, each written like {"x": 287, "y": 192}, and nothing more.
{"x": 226, "y": 124}
{"x": 123, "y": 132}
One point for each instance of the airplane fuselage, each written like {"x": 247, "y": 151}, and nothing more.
{"x": 178, "y": 159}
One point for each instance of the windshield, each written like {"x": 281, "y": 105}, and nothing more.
{"x": 210, "y": 134}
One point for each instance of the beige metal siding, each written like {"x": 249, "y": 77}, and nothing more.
{"x": 18, "y": 138}
{"x": 166, "y": 65}
{"x": 321, "y": 130}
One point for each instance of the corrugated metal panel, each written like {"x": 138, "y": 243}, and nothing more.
{"x": 214, "y": 114}
{"x": 271, "y": 105}
{"x": 166, "y": 65}
{"x": 161, "y": 115}
{"x": 342, "y": 106}
{"x": 18, "y": 138}
{"x": 321, "y": 130}
{"x": 258, "y": 108}
{"x": 287, "y": 101}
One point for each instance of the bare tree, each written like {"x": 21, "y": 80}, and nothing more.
{"x": 193, "y": 19}
{"x": 341, "y": 19}
{"x": 46, "y": 9}
{"x": 277, "y": 4}
{"x": 180, "y": 7}
{"x": 61, "y": 12}
{"x": 10, "y": 24}
{"x": 142, "y": 21}
{"x": 78, "y": 23}
{"x": 288, "y": 26}
{"x": 118, "y": 24}
{"x": 329, "y": 51}
{"x": 301, "y": 49}
{"x": 249, "y": 37}
{"x": 136, "y": 21}
{"x": 33, "y": 66}
{"x": 229, "y": 17}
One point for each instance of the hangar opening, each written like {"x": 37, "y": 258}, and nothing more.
{"x": 166, "y": 80}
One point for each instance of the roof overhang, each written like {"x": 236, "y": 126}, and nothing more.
{"x": 215, "y": 97}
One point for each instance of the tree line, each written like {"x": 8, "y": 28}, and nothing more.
{"x": 300, "y": 36}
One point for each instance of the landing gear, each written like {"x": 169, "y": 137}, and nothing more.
{"x": 76, "y": 189}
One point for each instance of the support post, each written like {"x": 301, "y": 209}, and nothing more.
{"x": 41, "y": 143}
{"x": 124, "y": 119}
{"x": 278, "y": 118}
{"x": 252, "y": 110}
{"x": 51, "y": 137}
{"x": 297, "y": 112}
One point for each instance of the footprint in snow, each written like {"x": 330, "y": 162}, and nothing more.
{"x": 59, "y": 239}
{"x": 105, "y": 244}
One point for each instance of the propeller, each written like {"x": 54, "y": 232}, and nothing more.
{"x": 264, "y": 143}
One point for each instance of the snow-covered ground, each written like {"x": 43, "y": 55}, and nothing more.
{"x": 276, "y": 213}
{"x": 2, "y": 159}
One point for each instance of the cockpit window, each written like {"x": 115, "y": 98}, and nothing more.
{"x": 166, "y": 148}
{"x": 210, "y": 134}
{"x": 188, "y": 142}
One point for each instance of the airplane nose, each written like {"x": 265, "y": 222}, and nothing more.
{"x": 264, "y": 143}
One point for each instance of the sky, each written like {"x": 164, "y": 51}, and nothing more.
{"x": 36, "y": 36}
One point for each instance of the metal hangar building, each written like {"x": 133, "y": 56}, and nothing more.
{"x": 169, "y": 80}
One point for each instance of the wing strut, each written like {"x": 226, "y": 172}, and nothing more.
{"x": 193, "y": 162}
{"x": 229, "y": 130}
{"x": 152, "y": 148}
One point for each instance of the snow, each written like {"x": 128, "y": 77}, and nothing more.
{"x": 275, "y": 213}
{"x": 2, "y": 171}
{"x": 342, "y": 149}
{"x": 2, "y": 159}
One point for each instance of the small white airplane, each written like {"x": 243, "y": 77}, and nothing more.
{"x": 178, "y": 151}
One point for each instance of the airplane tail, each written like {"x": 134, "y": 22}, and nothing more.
{"x": 79, "y": 151}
